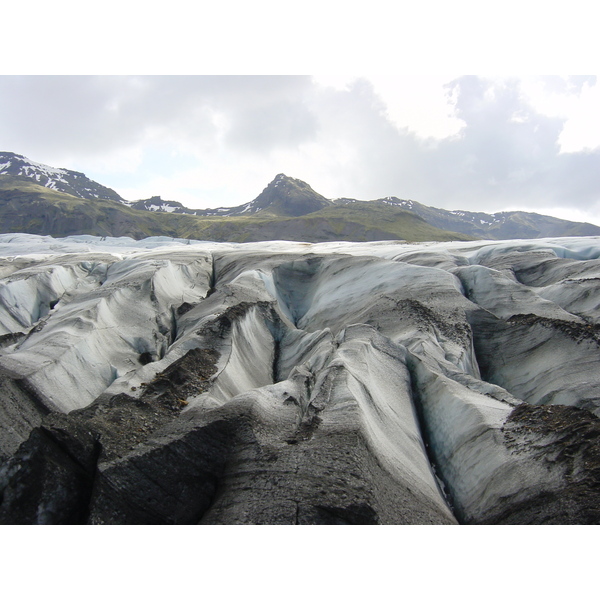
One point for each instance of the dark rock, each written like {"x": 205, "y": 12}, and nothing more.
{"x": 20, "y": 413}
{"x": 564, "y": 437}
{"x": 8, "y": 339}
{"x": 183, "y": 308}
{"x": 171, "y": 480}
{"x": 186, "y": 376}
{"x": 42, "y": 484}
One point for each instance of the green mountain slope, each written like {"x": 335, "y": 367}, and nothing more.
{"x": 38, "y": 198}
{"x": 31, "y": 208}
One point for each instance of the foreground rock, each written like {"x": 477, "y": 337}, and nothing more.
{"x": 283, "y": 383}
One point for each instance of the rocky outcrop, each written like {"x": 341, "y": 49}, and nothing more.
{"x": 161, "y": 382}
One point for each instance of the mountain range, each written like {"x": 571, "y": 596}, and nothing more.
{"x": 39, "y": 199}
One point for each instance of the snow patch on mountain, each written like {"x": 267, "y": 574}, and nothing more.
{"x": 61, "y": 180}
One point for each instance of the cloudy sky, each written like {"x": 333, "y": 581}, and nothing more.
{"x": 475, "y": 142}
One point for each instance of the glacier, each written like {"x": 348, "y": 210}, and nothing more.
{"x": 170, "y": 381}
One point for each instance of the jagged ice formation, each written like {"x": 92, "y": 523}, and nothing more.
{"x": 167, "y": 381}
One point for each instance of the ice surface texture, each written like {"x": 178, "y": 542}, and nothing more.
{"x": 168, "y": 381}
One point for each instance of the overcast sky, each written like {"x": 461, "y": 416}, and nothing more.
{"x": 449, "y": 140}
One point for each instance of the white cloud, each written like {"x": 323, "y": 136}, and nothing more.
{"x": 419, "y": 103}
{"x": 574, "y": 99}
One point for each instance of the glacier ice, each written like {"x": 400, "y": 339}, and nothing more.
{"x": 173, "y": 381}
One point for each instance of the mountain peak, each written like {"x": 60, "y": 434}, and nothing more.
{"x": 283, "y": 179}
{"x": 60, "y": 180}
{"x": 287, "y": 196}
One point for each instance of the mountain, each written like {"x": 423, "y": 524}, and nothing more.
{"x": 285, "y": 197}
{"x": 30, "y": 208}
{"x": 496, "y": 226}
{"x": 286, "y": 209}
{"x": 165, "y": 382}
{"x": 39, "y": 199}
{"x": 60, "y": 180}
{"x": 157, "y": 204}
